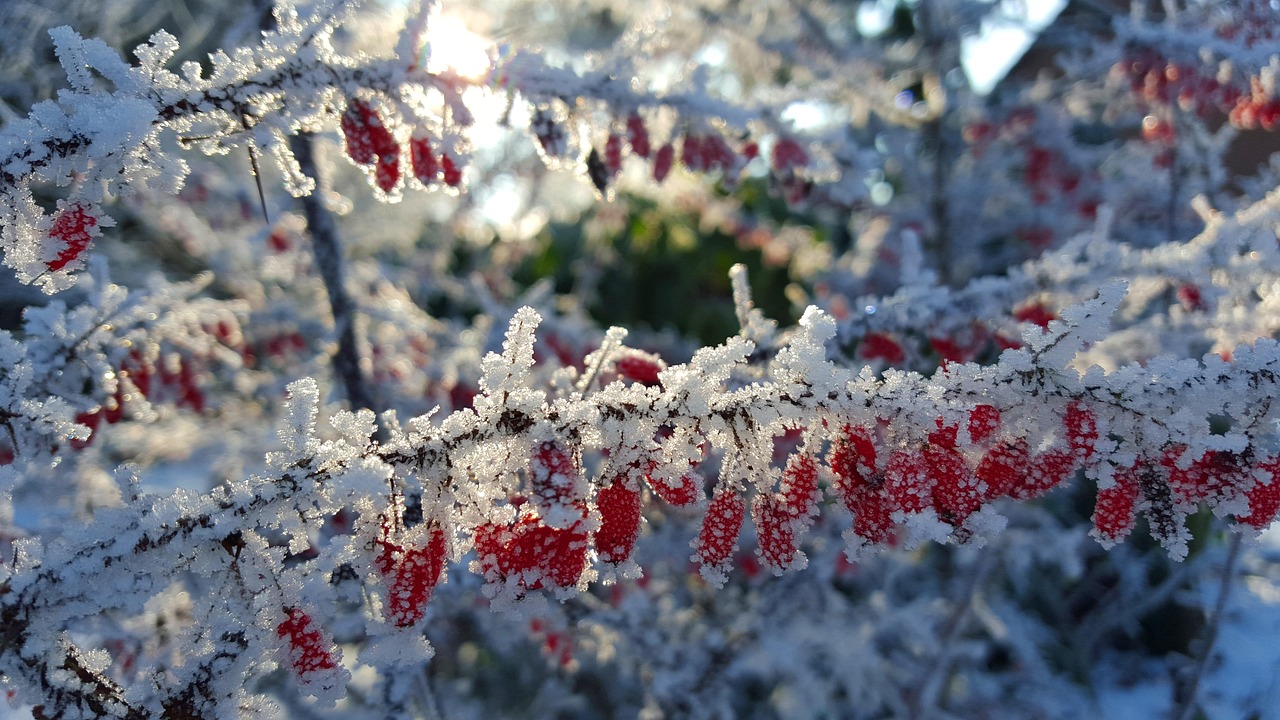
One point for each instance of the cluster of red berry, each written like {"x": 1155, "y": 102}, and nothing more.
{"x": 371, "y": 144}
{"x": 1159, "y": 81}
{"x": 174, "y": 381}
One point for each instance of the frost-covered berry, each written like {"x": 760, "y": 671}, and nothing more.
{"x": 638, "y": 135}
{"x": 956, "y": 494}
{"x": 853, "y": 461}
{"x": 366, "y": 135}
{"x": 1082, "y": 430}
{"x": 799, "y": 486}
{"x": 1211, "y": 478}
{"x": 1264, "y": 496}
{"x": 426, "y": 167}
{"x": 684, "y": 491}
{"x": 74, "y": 227}
{"x": 641, "y": 367}
{"x": 878, "y": 346}
{"x": 984, "y": 421}
{"x": 1003, "y": 468}
{"x": 619, "y": 507}
{"x": 309, "y": 649}
{"x": 1046, "y": 471}
{"x": 533, "y": 553}
{"x": 775, "y": 532}
{"x": 555, "y": 477}
{"x": 719, "y": 534}
{"x": 1115, "y": 511}
{"x": 908, "y": 481}
{"x": 410, "y": 573}
{"x": 662, "y": 162}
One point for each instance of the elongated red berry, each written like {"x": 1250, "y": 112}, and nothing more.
{"x": 386, "y": 174}
{"x": 426, "y": 168}
{"x": 450, "y": 171}
{"x": 719, "y": 534}
{"x": 1264, "y": 496}
{"x": 74, "y": 228}
{"x": 984, "y": 421}
{"x": 1047, "y": 470}
{"x": 663, "y": 161}
{"x": 555, "y": 476}
{"x": 1115, "y": 511}
{"x": 410, "y": 573}
{"x": 309, "y": 649}
{"x": 908, "y": 481}
{"x": 775, "y": 531}
{"x": 619, "y": 507}
{"x": 638, "y": 135}
{"x": 1211, "y": 478}
{"x": 853, "y": 462}
{"x": 799, "y": 486}
{"x": 1003, "y": 468}
{"x": 641, "y": 367}
{"x": 955, "y": 491}
{"x": 366, "y": 135}
{"x": 686, "y": 490}
{"x": 1082, "y": 430}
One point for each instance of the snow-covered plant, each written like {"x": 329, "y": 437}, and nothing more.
{"x": 260, "y": 447}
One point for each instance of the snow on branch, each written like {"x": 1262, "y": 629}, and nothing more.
{"x": 913, "y": 457}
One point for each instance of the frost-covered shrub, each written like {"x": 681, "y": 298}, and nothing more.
{"x": 1022, "y": 320}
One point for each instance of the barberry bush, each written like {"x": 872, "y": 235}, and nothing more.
{"x": 308, "y": 409}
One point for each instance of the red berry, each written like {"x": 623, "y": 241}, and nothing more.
{"x": 663, "y": 161}
{"x": 411, "y": 574}
{"x": 788, "y": 155}
{"x": 984, "y": 421}
{"x": 955, "y": 488}
{"x": 908, "y": 481}
{"x": 450, "y": 171}
{"x": 555, "y": 476}
{"x": 426, "y": 168}
{"x": 853, "y": 461}
{"x": 1047, "y": 470}
{"x": 1036, "y": 314}
{"x": 90, "y": 419}
{"x": 719, "y": 534}
{"x": 367, "y": 137}
{"x": 310, "y": 650}
{"x": 613, "y": 154}
{"x": 638, "y": 135}
{"x": 799, "y": 486}
{"x": 535, "y": 554}
{"x": 1115, "y": 511}
{"x": 640, "y": 367}
{"x": 775, "y": 531}
{"x": 74, "y": 227}
{"x": 386, "y": 173}
{"x": 619, "y": 529}
{"x": 1082, "y": 430}
{"x": 1003, "y": 467}
{"x": 1212, "y": 478}
{"x": 680, "y": 493}
{"x": 1264, "y": 498}
{"x": 882, "y": 347}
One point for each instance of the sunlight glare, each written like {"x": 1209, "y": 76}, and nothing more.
{"x": 452, "y": 48}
